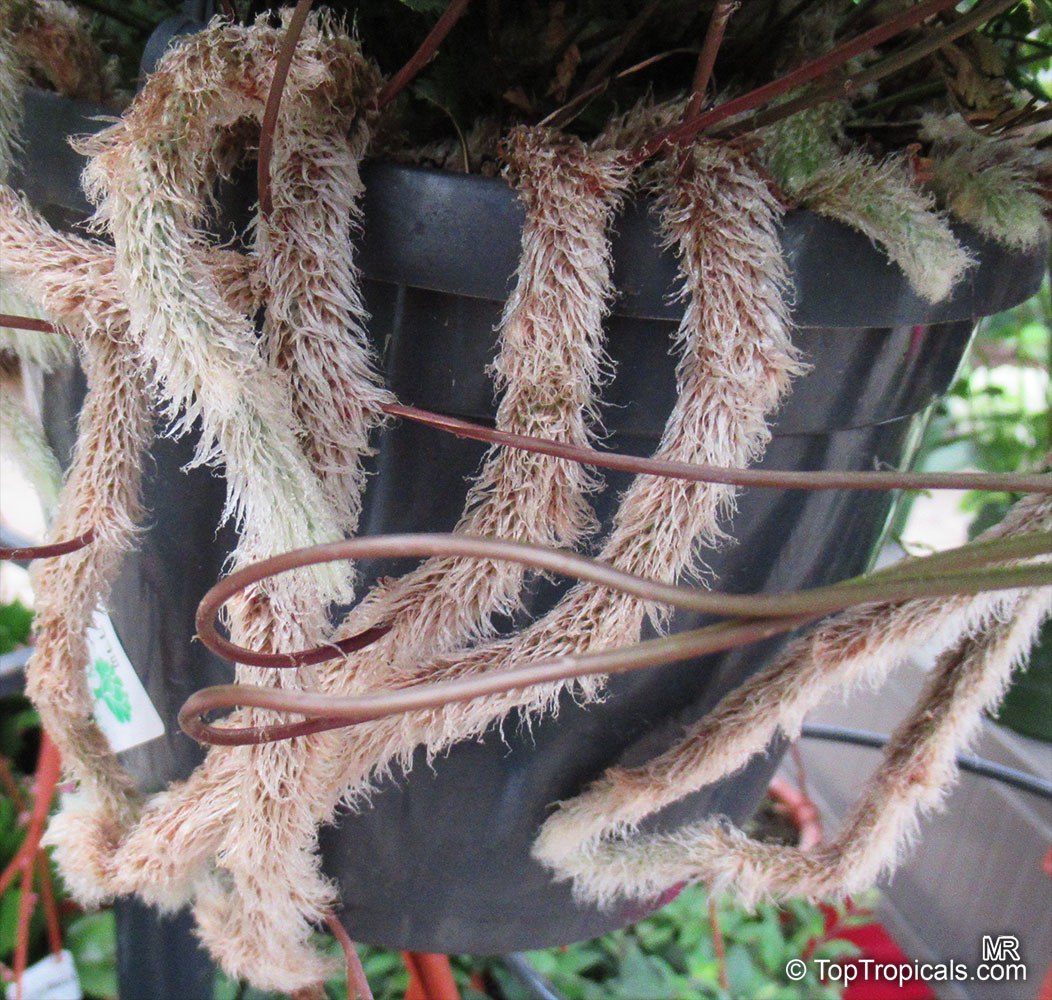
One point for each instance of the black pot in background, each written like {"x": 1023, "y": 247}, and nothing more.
{"x": 440, "y": 861}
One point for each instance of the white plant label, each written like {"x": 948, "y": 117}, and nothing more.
{"x": 52, "y": 978}
{"x": 123, "y": 709}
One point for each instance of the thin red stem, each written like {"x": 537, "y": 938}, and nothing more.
{"x": 914, "y": 578}
{"x": 10, "y": 786}
{"x": 206, "y": 632}
{"x": 357, "y": 984}
{"x": 810, "y": 71}
{"x": 48, "y": 903}
{"x": 718, "y": 947}
{"x": 423, "y": 55}
{"x": 839, "y": 87}
{"x": 325, "y": 712}
{"x": 26, "y": 902}
{"x": 721, "y": 14}
{"x": 47, "y": 775}
{"x": 27, "y": 323}
{"x": 51, "y": 550}
{"x": 270, "y": 112}
{"x": 606, "y": 64}
{"x": 699, "y": 473}
{"x": 760, "y": 616}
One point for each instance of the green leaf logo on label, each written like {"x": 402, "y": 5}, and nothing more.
{"x": 110, "y": 690}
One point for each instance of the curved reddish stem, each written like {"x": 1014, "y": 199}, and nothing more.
{"x": 759, "y": 616}
{"x": 51, "y": 550}
{"x": 419, "y": 59}
{"x": 26, "y": 900}
{"x": 28, "y": 323}
{"x": 207, "y": 633}
{"x": 48, "y": 903}
{"x": 273, "y": 106}
{"x": 757, "y": 478}
{"x": 357, "y": 984}
{"x": 326, "y": 712}
{"x": 48, "y": 769}
{"x": 760, "y": 478}
{"x": 800, "y": 809}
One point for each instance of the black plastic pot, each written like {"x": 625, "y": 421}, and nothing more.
{"x": 440, "y": 861}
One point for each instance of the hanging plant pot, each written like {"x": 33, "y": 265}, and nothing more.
{"x": 441, "y": 861}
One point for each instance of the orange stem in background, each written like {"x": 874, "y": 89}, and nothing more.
{"x": 10, "y": 786}
{"x": 1045, "y": 992}
{"x": 47, "y": 902}
{"x": 25, "y": 912}
{"x": 430, "y": 976}
{"x": 31, "y": 855}
{"x": 49, "y": 767}
{"x": 414, "y": 991}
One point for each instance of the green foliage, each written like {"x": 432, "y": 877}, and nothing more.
{"x": 672, "y": 955}
{"x": 998, "y": 415}
{"x": 19, "y": 732}
{"x": 1024, "y": 63}
{"x": 15, "y": 622}
{"x": 1027, "y": 707}
{"x": 92, "y": 938}
{"x": 796, "y": 149}
{"x": 998, "y": 418}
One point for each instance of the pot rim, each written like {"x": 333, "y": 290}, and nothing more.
{"x": 459, "y": 234}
